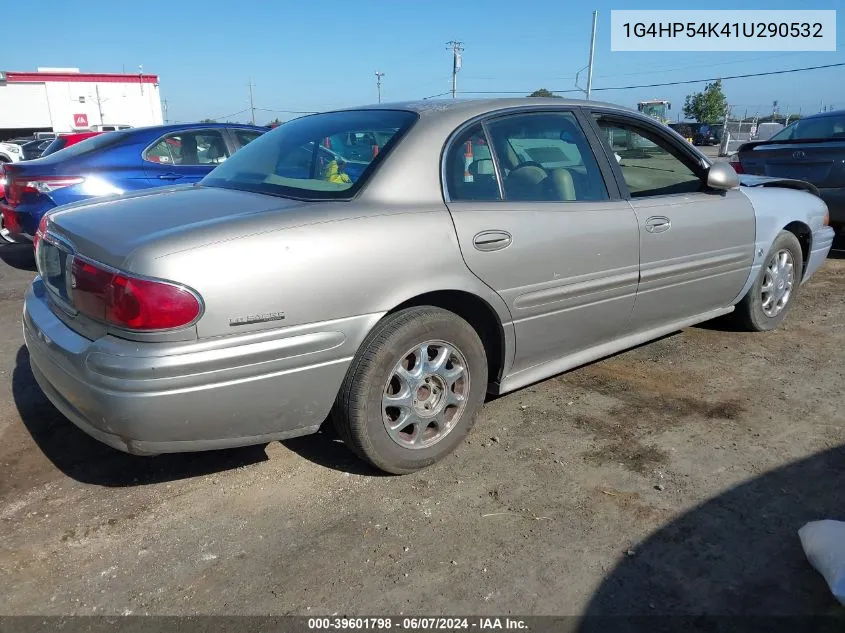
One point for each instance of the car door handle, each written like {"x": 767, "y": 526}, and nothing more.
{"x": 492, "y": 240}
{"x": 658, "y": 224}
{"x": 170, "y": 176}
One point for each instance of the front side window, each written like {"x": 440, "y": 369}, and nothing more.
{"x": 469, "y": 171}
{"x": 201, "y": 147}
{"x": 649, "y": 164}
{"x": 322, "y": 156}
{"x": 546, "y": 157}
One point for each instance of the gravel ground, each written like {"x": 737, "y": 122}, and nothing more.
{"x": 668, "y": 479}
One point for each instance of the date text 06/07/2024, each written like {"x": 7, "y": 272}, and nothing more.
{"x": 416, "y": 623}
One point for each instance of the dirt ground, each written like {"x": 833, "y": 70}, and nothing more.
{"x": 669, "y": 479}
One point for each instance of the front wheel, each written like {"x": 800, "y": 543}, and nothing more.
{"x": 767, "y": 302}
{"x": 413, "y": 390}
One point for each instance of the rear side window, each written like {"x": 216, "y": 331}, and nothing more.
{"x": 545, "y": 157}
{"x": 201, "y": 147}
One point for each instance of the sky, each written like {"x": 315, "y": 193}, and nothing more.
{"x": 312, "y": 56}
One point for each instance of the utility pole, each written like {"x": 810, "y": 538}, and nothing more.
{"x": 99, "y": 102}
{"x": 379, "y": 75}
{"x": 251, "y": 105}
{"x": 457, "y": 48}
{"x": 592, "y": 55}
{"x": 164, "y": 103}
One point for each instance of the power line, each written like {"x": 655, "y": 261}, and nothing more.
{"x": 226, "y": 116}
{"x": 655, "y": 85}
{"x": 696, "y": 81}
{"x": 286, "y": 111}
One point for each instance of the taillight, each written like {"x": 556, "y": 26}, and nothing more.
{"x": 42, "y": 230}
{"x": 737, "y": 166}
{"x": 129, "y": 302}
{"x": 17, "y": 187}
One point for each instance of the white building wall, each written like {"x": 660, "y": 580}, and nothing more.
{"x": 53, "y": 104}
{"x": 24, "y": 106}
{"x": 135, "y": 104}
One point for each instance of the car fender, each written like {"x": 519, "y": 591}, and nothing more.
{"x": 775, "y": 207}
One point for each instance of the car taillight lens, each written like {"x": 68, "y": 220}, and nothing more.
{"x": 737, "y": 166}
{"x": 129, "y": 302}
{"x": 17, "y": 187}
{"x": 42, "y": 229}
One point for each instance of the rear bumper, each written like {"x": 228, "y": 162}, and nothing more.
{"x": 16, "y": 223}
{"x": 149, "y": 398}
{"x": 822, "y": 241}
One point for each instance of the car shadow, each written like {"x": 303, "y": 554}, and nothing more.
{"x": 86, "y": 460}
{"x": 328, "y": 450}
{"x": 737, "y": 554}
{"x": 18, "y": 256}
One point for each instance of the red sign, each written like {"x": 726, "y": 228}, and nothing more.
{"x": 80, "y": 120}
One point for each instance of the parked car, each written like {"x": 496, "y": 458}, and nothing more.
{"x": 20, "y": 149}
{"x": 811, "y": 149}
{"x": 707, "y": 134}
{"x": 485, "y": 245}
{"x": 66, "y": 140}
{"x": 115, "y": 163}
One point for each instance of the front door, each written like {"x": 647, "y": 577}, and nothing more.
{"x": 696, "y": 245}
{"x": 537, "y": 222}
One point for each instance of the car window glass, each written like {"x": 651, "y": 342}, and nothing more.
{"x": 546, "y": 157}
{"x": 822, "y": 127}
{"x": 245, "y": 136}
{"x": 204, "y": 147}
{"x": 322, "y": 156}
{"x": 649, "y": 164}
{"x": 469, "y": 170}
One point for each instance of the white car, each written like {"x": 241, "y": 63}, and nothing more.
{"x": 19, "y": 149}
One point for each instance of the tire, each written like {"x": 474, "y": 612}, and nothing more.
{"x": 361, "y": 416}
{"x": 751, "y": 312}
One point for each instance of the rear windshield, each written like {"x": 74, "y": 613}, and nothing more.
{"x": 823, "y": 127}
{"x": 88, "y": 145}
{"x": 323, "y": 156}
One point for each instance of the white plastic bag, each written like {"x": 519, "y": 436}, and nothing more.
{"x": 824, "y": 545}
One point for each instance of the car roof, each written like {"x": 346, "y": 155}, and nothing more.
{"x": 821, "y": 115}
{"x": 172, "y": 127}
{"x": 476, "y": 107}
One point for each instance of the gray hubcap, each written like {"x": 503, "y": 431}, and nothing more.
{"x": 425, "y": 394}
{"x": 778, "y": 279}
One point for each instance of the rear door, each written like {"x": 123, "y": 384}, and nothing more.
{"x": 696, "y": 245}
{"x": 539, "y": 219}
{"x": 185, "y": 156}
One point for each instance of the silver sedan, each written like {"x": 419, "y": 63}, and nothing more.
{"x": 388, "y": 266}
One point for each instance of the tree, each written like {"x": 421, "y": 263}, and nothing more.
{"x": 709, "y": 106}
{"x": 542, "y": 92}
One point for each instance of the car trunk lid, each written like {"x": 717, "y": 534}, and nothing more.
{"x": 820, "y": 163}
{"x": 109, "y": 230}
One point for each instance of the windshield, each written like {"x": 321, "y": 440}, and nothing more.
{"x": 822, "y": 127}
{"x": 323, "y": 156}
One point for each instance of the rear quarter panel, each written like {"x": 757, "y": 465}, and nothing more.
{"x": 323, "y": 271}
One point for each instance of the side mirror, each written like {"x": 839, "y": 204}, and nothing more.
{"x": 722, "y": 176}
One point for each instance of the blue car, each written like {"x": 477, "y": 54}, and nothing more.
{"x": 114, "y": 163}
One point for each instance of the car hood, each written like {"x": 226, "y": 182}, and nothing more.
{"x": 750, "y": 180}
{"x": 119, "y": 229}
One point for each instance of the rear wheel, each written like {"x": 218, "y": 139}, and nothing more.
{"x": 767, "y": 302}
{"x": 413, "y": 390}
